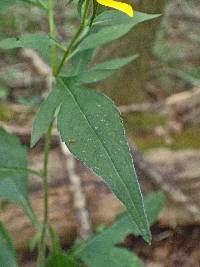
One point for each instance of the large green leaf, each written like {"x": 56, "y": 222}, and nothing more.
{"x": 110, "y": 26}
{"x": 60, "y": 259}
{"x": 101, "y": 71}
{"x": 40, "y": 43}
{"x": 7, "y": 253}
{"x": 13, "y": 174}
{"x": 93, "y": 122}
{"x": 101, "y": 249}
{"x": 45, "y": 115}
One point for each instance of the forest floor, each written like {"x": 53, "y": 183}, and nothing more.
{"x": 170, "y": 248}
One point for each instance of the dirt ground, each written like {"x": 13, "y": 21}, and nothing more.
{"x": 170, "y": 248}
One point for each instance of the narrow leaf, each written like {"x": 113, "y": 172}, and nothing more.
{"x": 13, "y": 183}
{"x": 80, "y": 61}
{"x": 113, "y": 17}
{"x": 45, "y": 115}
{"x": 102, "y": 70}
{"x": 111, "y": 25}
{"x": 103, "y": 36}
{"x": 93, "y": 122}
{"x": 7, "y": 253}
{"x": 40, "y": 43}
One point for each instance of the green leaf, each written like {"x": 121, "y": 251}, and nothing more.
{"x": 40, "y": 43}
{"x": 45, "y": 115}
{"x": 7, "y": 253}
{"x": 60, "y": 259}
{"x": 80, "y": 61}
{"x": 4, "y": 4}
{"x": 101, "y": 249}
{"x": 13, "y": 174}
{"x": 94, "y": 123}
{"x": 117, "y": 257}
{"x": 113, "y": 17}
{"x": 110, "y": 26}
{"x": 101, "y": 71}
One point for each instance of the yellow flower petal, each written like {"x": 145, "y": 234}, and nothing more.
{"x": 126, "y": 8}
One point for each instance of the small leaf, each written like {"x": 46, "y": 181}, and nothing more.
{"x": 60, "y": 259}
{"x": 92, "y": 120}
{"x": 45, "y": 114}
{"x": 7, "y": 253}
{"x": 110, "y": 26}
{"x": 101, "y": 71}
{"x": 40, "y": 43}
{"x": 101, "y": 249}
{"x": 13, "y": 174}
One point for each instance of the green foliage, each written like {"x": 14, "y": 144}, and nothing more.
{"x": 60, "y": 259}
{"x": 111, "y": 25}
{"x": 94, "y": 124}
{"x": 101, "y": 250}
{"x": 13, "y": 172}
{"x": 41, "y": 43}
{"x": 80, "y": 61}
{"x": 100, "y": 71}
{"x": 7, "y": 253}
{"x": 96, "y": 129}
{"x": 45, "y": 114}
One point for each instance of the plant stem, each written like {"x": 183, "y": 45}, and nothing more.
{"x": 52, "y": 33}
{"x": 42, "y": 246}
{"x": 75, "y": 38}
{"x": 95, "y": 8}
